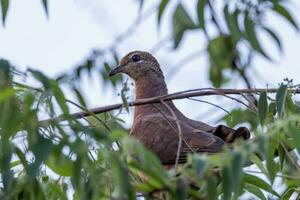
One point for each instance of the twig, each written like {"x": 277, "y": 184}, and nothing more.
{"x": 179, "y": 132}
{"x": 290, "y": 157}
{"x": 214, "y": 17}
{"x": 250, "y": 101}
{"x": 91, "y": 114}
{"x": 209, "y": 104}
{"x": 242, "y": 73}
{"x": 173, "y": 127}
{"x": 169, "y": 97}
{"x": 239, "y": 101}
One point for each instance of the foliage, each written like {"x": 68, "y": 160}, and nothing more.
{"x": 244, "y": 21}
{"x": 94, "y": 158}
{"x": 46, "y": 158}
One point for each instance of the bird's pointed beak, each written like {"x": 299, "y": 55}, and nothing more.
{"x": 116, "y": 70}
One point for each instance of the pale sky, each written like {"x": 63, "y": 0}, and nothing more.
{"x": 74, "y": 28}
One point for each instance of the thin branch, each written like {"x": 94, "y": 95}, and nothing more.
{"x": 239, "y": 101}
{"x": 214, "y": 17}
{"x": 202, "y": 101}
{"x": 251, "y": 102}
{"x": 91, "y": 114}
{"x": 172, "y": 126}
{"x": 294, "y": 162}
{"x": 169, "y": 97}
{"x": 179, "y": 132}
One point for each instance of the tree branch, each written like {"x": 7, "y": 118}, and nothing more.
{"x": 169, "y": 97}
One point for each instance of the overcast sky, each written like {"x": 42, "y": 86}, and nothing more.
{"x": 74, "y": 28}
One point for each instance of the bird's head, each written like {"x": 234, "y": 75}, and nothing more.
{"x": 137, "y": 64}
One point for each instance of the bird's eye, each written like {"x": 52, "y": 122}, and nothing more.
{"x": 136, "y": 58}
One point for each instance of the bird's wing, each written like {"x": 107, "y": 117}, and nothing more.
{"x": 199, "y": 125}
{"x": 227, "y": 134}
{"x": 161, "y": 135}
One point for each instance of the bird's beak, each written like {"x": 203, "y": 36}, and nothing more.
{"x": 116, "y": 70}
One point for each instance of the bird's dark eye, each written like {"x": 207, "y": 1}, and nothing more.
{"x": 136, "y": 58}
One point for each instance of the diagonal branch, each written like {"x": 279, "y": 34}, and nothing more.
{"x": 179, "y": 132}
{"x": 173, "y": 127}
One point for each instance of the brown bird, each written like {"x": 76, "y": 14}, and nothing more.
{"x": 161, "y": 125}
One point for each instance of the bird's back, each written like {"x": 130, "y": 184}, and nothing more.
{"x": 161, "y": 135}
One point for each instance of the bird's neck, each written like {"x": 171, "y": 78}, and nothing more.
{"x": 147, "y": 87}
{"x": 150, "y": 86}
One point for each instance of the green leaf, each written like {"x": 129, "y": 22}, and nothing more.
{"x": 241, "y": 116}
{"x": 183, "y": 17}
{"x": 216, "y": 76}
{"x": 211, "y": 188}
{"x": 79, "y": 96}
{"x": 181, "y": 191}
{"x": 5, "y": 74}
{"x": 41, "y": 77}
{"x": 281, "y": 155}
{"x": 4, "y": 9}
{"x": 57, "y": 190}
{"x": 122, "y": 187}
{"x": 262, "y": 107}
{"x": 45, "y": 4}
{"x": 7, "y": 176}
{"x": 272, "y": 112}
{"x": 262, "y": 146}
{"x": 6, "y": 94}
{"x": 251, "y": 36}
{"x": 199, "y": 164}
{"x": 255, "y": 159}
{"x": 145, "y": 161}
{"x": 22, "y": 158}
{"x": 59, "y": 96}
{"x": 237, "y": 171}
{"x": 41, "y": 149}
{"x": 281, "y": 10}
{"x": 181, "y": 22}
{"x": 272, "y": 166}
{"x": 254, "y": 180}
{"x": 60, "y": 164}
{"x": 281, "y": 99}
{"x": 291, "y": 106}
{"x": 232, "y": 23}
{"x": 295, "y": 133}
{"x": 163, "y": 4}
{"x": 222, "y": 54}
{"x": 255, "y": 190}
{"x": 201, "y": 13}
{"x": 227, "y": 183}
{"x": 275, "y": 38}
{"x": 15, "y": 163}
{"x": 288, "y": 193}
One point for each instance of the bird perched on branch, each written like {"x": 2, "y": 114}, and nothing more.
{"x": 161, "y": 126}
